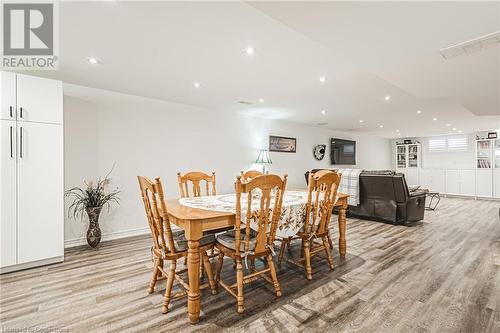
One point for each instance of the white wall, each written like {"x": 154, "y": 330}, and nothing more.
{"x": 158, "y": 138}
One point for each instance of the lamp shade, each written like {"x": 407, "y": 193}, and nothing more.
{"x": 263, "y": 157}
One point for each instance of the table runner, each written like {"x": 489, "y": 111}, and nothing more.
{"x": 292, "y": 217}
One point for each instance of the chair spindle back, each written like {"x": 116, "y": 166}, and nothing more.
{"x": 322, "y": 194}
{"x": 156, "y": 213}
{"x": 195, "y": 178}
{"x": 266, "y": 217}
{"x": 250, "y": 174}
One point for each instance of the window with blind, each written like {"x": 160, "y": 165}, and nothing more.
{"x": 458, "y": 143}
{"x": 437, "y": 144}
{"x": 443, "y": 144}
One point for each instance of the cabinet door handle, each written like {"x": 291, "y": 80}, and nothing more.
{"x": 10, "y": 111}
{"x": 11, "y": 143}
{"x": 21, "y": 143}
{"x": 21, "y": 113}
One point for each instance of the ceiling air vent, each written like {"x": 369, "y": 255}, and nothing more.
{"x": 473, "y": 45}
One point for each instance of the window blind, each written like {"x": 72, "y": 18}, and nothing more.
{"x": 437, "y": 144}
{"x": 458, "y": 143}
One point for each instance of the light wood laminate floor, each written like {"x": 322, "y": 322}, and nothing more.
{"x": 439, "y": 275}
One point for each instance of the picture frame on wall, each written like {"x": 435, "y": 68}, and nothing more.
{"x": 282, "y": 144}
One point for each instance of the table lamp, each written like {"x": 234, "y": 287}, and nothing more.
{"x": 263, "y": 159}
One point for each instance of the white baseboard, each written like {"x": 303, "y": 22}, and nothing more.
{"x": 108, "y": 236}
{"x": 32, "y": 264}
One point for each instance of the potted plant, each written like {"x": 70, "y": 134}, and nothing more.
{"x": 91, "y": 199}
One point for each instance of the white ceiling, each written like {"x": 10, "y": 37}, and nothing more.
{"x": 367, "y": 50}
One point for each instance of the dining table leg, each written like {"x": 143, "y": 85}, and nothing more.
{"x": 342, "y": 226}
{"x": 193, "y": 235}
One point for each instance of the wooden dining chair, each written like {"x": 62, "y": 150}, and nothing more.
{"x": 196, "y": 178}
{"x": 322, "y": 193}
{"x": 168, "y": 245}
{"x": 250, "y": 174}
{"x": 247, "y": 244}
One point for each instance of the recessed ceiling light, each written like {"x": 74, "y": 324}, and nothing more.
{"x": 92, "y": 61}
{"x": 453, "y": 129}
{"x": 322, "y": 79}
{"x": 323, "y": 111}
{"x": 197, "y": 85}
{"x": 448, "y": 125}
{"x": 381, "y": 126}
{"x": 419, "y": 111}
{"x": 387, "y": 97}
{"x": 434, "y": 119}
{"x": 261, "y": 100}
{"x": 249, "y": 50}
{"x": 397, "y": 130}
{"x": 459, "y": 131}
{"x": 360, "y": 121}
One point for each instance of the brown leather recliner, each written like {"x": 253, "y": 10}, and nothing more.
{"x": 384, "y": 196}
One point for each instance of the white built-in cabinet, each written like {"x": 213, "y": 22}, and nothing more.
{"x": 480, "y": 182}
{"x": 408, "y": 161}
{"x": 31, "y": 170}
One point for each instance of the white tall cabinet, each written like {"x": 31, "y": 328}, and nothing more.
{"x": 408, "y": 161}
{"x": 31, "y": 170}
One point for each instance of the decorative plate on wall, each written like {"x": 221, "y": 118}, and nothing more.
{"x": 319, "y": 152}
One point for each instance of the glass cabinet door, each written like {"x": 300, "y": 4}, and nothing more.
{"x": 484, "y": 154}
{"x": 412, "y": 156}
{"x": 401, "y": 156}
{"x": 496, "y": 152}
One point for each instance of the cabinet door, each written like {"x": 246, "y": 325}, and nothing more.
{"x": 8, "y": 235}
{"x": 425, "y": 178}
{"x": 467, "y": 182}
{"x": 7, "y": 96}
{"x": 401, "y": 156}
{"x": 413, "y": 156}
{"x": 452, "y": 182}
{"x": 40, "y": 192}
{"x": 412, "y": 176}
{"x": 438, "y": 180}
{"x": 496, "y": 183}
{"x": 484, "y": 183}
{"x": 39, "y": 99}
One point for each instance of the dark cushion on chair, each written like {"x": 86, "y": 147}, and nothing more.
{"x": 181, "y": 243}
{"x": 228, "y": 239}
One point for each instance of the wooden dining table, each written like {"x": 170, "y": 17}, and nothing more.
{"x": 195, "y": 221}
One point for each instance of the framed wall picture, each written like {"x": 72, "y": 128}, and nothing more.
{"x": 492, "y": 135}
{"x": 282, "y": 144}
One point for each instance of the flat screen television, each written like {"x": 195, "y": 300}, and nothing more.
{"x": 342, "y": 151}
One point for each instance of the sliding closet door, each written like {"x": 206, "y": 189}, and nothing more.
{"x": 40, "y": 191}
{"x": 8, "y": 234}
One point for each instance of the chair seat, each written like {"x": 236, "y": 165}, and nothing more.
{"x": 181, "y": 243}
{"x": 228, "y": 239}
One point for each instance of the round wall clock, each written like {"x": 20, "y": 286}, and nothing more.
{"x": 319, "y": 152}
